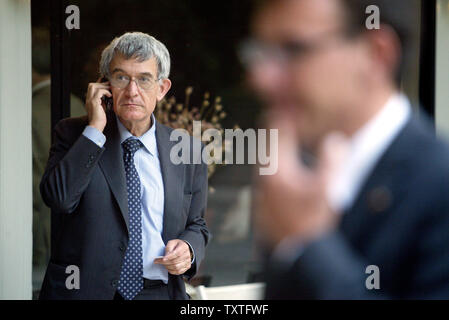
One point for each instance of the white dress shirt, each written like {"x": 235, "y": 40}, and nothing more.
{"x": 146, "y": 161}
{"x": 366, "y": 147}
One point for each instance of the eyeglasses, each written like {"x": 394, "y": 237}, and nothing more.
{"x": 253, "y": 51}
{"x": 121, "y": 81}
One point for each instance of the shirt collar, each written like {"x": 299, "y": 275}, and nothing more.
{"x": 148, "y": 139}
{"x": 382, "y": 128}
{"x": 365, "y": 149}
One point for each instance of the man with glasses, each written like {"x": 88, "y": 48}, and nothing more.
{"x": 367, "y": 215}
{"x": 125, "y": 218}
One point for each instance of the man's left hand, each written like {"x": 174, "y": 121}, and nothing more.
{"x": 177, "y": 259}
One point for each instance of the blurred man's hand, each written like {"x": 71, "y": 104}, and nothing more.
{"x": 293, "y": 202}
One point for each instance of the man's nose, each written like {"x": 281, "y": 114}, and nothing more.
{"x": 132, "y": 88}
{"x": 267, "y": 77}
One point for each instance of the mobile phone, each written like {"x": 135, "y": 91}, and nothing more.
{"x": 108, "y": 102}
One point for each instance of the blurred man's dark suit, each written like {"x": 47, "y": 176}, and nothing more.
{"x": 398, "y": 222}
{"x": 85, "y": 186}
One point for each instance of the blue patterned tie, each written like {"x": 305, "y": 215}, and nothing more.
{"x": 131, "y": 276}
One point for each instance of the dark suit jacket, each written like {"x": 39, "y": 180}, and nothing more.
{"x": 85, "y": 186}
{"x": 399, "y": 222}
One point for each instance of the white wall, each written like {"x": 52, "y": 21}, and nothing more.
{"x": 15, "y": 150}
{"x": 442, "y": 69}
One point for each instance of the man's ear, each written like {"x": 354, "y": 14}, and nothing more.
{"x": 386, "y": 49}
{"x": 164, "y": 86}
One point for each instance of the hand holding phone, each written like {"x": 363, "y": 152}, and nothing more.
{"x": 96, "y": 106}
{"x": 106, "y": 101}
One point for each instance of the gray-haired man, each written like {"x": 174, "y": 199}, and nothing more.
{"x": 128, "y": 219}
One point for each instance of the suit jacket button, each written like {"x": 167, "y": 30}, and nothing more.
{"x": 122, "y": 247}
{"x": 114, "y": 283}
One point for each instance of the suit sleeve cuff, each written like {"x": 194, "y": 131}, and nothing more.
{"x": 95, "y": 136}
{"x": 192, "y": 251}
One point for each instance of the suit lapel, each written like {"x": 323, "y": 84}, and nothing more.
{"x": 384, "y": 188}
{"x": 113, "y": 167}
{"x": 173, "y": 178}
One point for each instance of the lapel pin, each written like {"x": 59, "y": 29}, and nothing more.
{"x": 379, "y": 199}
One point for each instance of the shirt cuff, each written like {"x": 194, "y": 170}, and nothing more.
{"x": 95, "y": 136}
{"x": 191, "y": 250}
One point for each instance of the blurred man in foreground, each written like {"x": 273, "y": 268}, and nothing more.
{"x": 368, "y": 217}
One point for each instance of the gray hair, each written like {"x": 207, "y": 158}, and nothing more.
{"x": 140, "y": 46}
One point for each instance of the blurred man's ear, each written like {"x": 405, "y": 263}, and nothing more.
{"x": 164, "y": 86}
{"x": 385, "y": 49}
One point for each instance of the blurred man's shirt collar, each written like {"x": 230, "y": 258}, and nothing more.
{"x": 365, "y": 149}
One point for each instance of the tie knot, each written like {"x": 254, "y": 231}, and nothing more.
{"x": 131, "y": 145}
